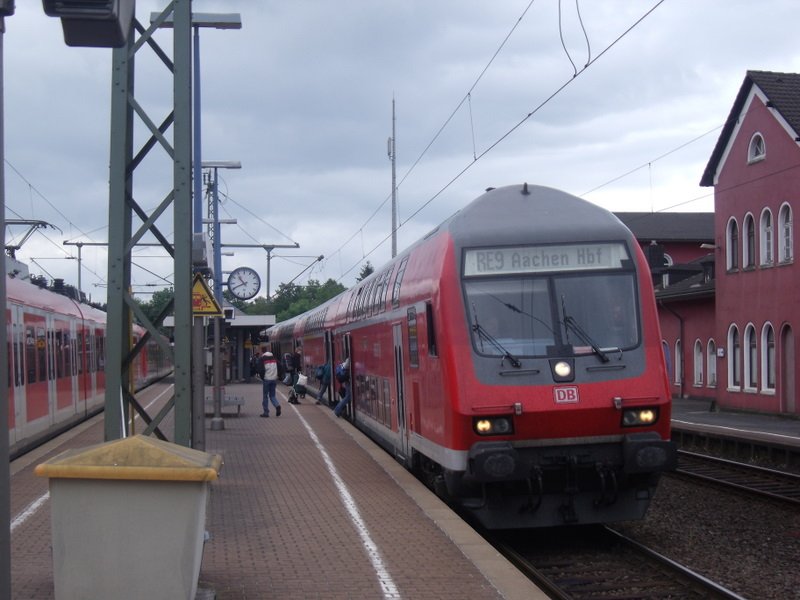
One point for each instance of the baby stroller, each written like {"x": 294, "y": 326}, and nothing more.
{"x": 298, "y": 390}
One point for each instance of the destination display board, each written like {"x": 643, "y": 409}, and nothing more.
{"x": 544, "y": 259}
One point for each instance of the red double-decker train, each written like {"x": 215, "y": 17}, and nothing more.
{"x": 56, "y": 363}
{"x": 512, "y": 358}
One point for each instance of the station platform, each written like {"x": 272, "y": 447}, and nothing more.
{"x": 703, "y": 415}
{"x": 305, "y": 507}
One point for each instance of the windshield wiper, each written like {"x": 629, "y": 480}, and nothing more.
{"x": 571, "y": 323}
{"x": 485, "y": 335}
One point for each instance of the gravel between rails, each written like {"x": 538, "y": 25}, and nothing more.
{"x": 748, "y": 545}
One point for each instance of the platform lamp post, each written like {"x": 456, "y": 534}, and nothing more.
{"x": 217, "y": 423}
{"x": 215, "y": 21}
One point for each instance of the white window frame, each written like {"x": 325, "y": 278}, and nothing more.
{"x": 734, "y": 359}
{"x": 756, "y": 149}
{"x": 766, "y": 254}
{"x": 698, "y": 363}
{"x": 768, "y": 356}
{"x": 711, "y": 363}
{"x": 748, "y": 241}
{"x": 732, "y": 245}
{"x": 785, "y": 234}
{"x": 750, "y": 356}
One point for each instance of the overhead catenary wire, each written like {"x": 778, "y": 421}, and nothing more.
{"x": 536, "y": 109}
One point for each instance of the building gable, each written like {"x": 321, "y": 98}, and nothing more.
{"x": 779, "y": 92}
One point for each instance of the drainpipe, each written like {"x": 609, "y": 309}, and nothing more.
{"x": 683, "y": 350}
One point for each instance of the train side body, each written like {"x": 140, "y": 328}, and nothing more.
{"x": 56, "y": 363}
{"x": 512, "y": 357}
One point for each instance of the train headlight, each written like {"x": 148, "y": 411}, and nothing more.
{"x": 639, "y": 417}
{"x": 493, "y": 426}
{"x": 562, "y": 369}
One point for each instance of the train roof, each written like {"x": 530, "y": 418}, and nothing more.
{"x": 25, "y": 293}
{"x": 517, "y": 214}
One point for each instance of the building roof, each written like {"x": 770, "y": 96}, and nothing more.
{"x": 670, "y": 227}
{"x": 690, "y": 281}
{"x": 783, "y": 93}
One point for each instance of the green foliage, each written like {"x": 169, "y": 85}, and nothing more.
{"x": 366, "y": 270}
{"x": 158, "y": 301}
{"x": 291, "y": 299}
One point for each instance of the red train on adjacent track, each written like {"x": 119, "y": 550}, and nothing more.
{"x": 512, "y": 358}
{"x": 56, "y": 363}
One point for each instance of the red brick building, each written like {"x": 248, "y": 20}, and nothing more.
{"x": 755, "y": 171}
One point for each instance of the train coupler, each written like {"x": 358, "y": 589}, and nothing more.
{"x": 534, "y": 497}
{"x": 609, "y": 486}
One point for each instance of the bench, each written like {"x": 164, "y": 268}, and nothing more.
{"x": 227, "y": 402}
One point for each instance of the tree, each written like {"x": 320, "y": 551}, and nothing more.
{"x": 366, "y": 270}
{"x": 158, "y": 301}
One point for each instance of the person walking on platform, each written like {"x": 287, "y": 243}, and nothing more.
{"x": 269, "y": 373}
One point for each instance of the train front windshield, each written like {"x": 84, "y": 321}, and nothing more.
{"x": 539, "y": 301}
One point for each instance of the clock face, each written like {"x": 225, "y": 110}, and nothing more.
{"x": 244, "y": 283}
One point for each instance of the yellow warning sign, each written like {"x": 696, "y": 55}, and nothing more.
{"x": 203, "y": 301}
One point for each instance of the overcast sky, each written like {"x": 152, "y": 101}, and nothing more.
{"x": 302, "y": 97}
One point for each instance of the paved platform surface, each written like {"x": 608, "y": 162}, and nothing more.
{"x": 305, "y": 507}
{"x": 776, "y": 428}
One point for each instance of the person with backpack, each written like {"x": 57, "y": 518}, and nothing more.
{"x": 269, "y": 374}
{"x": 323, "y": 375}
{"x": 343, "y": 376}
{"x": 296, "y": 362}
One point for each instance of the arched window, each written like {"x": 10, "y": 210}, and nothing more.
{"x": 757, "y": 150}
{"x": 765, "y": 237}
{"x": 667, "y": 264}
{"x": 732, "y": 250}
{"x": 750, "y": 358}
{"x": 785, "y": 250}
{"x": 749, "y": 240}
{"x": 768, "y": 358}
{"x": 711, "y": 363}
{"x": 698, "y": 363}
{"x": 678, "y": 362}
{"x": 734, "y": 359}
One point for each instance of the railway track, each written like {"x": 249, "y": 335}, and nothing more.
{"x": 598, "y": 562}
{"x": 778, "y": 485}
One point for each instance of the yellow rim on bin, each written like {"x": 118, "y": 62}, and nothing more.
{"x": 135, "y": 458}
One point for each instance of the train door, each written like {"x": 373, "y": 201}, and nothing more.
{"x": 402, "y": 448}
{"x": 346, "y": 353}
{"x": 37, "y": 382}
{"x": 16, "y": 376}
{"x": 331, "y": 365}
{"x": 62, "y": 354}
{"x": 100, "y": 360}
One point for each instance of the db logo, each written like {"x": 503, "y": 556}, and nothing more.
{"x": 566, "y": 395}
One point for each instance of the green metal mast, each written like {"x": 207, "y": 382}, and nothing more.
{"x": 129, "y": 223}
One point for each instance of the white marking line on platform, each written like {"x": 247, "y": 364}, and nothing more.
{"x": 34, "y": 506}
{"x": 385, "y": 580}
{"x": 739, "y": 430}
{"x": 29, "y": 511}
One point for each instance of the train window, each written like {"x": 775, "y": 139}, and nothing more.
{"x": 398, "y": 281}
{"x": 432, "y": 349}
{"x": 30, "y": 354}
{"x": 385, "y": 288}
{"x": 41, "y": 354}
{"x": 553, "y": 314}
{"x": 413, "y": 341}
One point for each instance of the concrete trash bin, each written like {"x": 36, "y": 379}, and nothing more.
{"x": 128, "y": 519}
